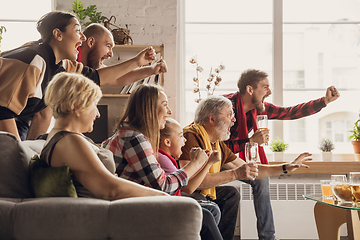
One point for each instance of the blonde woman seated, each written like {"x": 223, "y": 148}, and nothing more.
{"x": 73, "y": 99}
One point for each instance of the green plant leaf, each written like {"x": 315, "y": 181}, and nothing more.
{"x": 278, "y": 145}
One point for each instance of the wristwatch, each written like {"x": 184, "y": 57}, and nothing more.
{"x": 284, "y": 168}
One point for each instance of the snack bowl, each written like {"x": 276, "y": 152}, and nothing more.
{"x": 342, "y": 191}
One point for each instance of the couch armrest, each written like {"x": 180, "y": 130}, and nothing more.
{"x": 84, "y": 218}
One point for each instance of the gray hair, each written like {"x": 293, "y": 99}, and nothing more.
{"x": 210, "y": 105}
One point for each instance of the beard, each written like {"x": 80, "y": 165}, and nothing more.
{"x": 259, "y": 105}
{"x": 93, "y": 60}
{"x": 223, "y": 130}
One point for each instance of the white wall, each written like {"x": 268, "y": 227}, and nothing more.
{"x": 151, "y": 22}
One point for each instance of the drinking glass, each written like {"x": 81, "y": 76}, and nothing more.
{"x": 354, "y": 179}
{"x": 262, "y": 123}
{"x": 326, "y": 189}
{"x": 251, "y": 152}
{"x": 341, "y": 188}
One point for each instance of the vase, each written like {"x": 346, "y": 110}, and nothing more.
{"x": 327, "y": 156}
{"x": 278, "y": 156}
{"x": 356, "y": 146}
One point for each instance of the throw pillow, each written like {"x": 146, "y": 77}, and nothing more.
{"x": 49, "y": 181}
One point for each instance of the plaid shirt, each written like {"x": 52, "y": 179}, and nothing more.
{"x": 136, "y": 162}
{"x": 273, "y": 112}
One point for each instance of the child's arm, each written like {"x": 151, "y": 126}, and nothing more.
{"x": 199, "y": 158}
{"x": 197, "y": 179}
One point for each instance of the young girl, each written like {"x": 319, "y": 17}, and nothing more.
{"x": 135, "y": 146}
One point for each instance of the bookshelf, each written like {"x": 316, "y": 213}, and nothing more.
{"x": 115, "y": 101}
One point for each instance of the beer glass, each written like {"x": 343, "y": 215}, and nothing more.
{"x": 262, "y": 123}
{"x": 354, "y": 179}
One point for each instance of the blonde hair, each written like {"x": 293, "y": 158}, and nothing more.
{"x": 142, "y": 113}
{"x": 68, "y": 92}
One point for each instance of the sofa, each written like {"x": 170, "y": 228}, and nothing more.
{"x": 24, "y": 217}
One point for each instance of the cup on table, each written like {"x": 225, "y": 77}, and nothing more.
{"x": 262, "y": 123}
{"x": 341, "y": 188}
{"x": 326, "y": 189}
{"x": 354, "y": 179}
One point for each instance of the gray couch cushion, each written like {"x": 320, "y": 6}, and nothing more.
{"x": 158, "y": 222}
{"x": 150, "y": 218}
{"x": 14, "y": 167}
{"x": 6, "y": 219}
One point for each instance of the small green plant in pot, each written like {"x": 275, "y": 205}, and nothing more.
{"x": 278, "y": 146}
{"x": 355, "y": 137}
{"x": 326, "y": 146}
{"x": 91, "y": 12}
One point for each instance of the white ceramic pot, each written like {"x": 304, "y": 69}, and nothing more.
{"x": 278, "y": 156}
{"x": 327, "y": 156}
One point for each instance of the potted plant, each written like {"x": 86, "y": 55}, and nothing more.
{"x": 90, "y": 12}
{"x": 356, "y": 139}
{"x": 2, "y": 30}
{"x": 278, "y": 147}
{"x": 326, "y": 146}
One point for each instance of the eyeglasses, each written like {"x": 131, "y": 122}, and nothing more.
{"x": 229, "y": 115}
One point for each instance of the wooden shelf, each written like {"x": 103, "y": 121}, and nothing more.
{"x": 320, "y": 167}
{"x": 137, "y": 48}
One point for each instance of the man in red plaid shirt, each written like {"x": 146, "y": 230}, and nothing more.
{"x": 248, "y": 102}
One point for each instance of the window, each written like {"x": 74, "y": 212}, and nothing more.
{"x": 320, "y": 43}
{"x": 20, "y": 23}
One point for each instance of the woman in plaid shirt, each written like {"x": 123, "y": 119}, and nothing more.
{"x": 135, "y": 144}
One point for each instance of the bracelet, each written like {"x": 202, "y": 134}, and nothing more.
{"x": 284, "y": 168}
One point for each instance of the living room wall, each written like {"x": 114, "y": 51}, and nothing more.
{"x": 151, "y": 22}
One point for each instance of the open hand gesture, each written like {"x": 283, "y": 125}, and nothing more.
{"x": 299, "y": 162}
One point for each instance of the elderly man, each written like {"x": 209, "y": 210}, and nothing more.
{"x": 248, "y": 102}
{"x": 214, "y": 117}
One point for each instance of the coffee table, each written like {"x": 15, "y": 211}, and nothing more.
{"x": 330, "y": 215}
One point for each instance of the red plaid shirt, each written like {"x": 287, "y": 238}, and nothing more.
{"x": 136, "y": 162}
{"x": 273, "y": 112}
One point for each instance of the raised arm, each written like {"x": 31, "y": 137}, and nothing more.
{"x": 76, "y": 152}
{"x": 140, "y": 73}
{"x": 272, "y": 170}
{"x": 111, "y": 73}
{"x": 197, "y": 179}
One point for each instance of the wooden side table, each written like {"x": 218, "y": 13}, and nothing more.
{"x": 329, "y": 216}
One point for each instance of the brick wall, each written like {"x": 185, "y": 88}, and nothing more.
{"x": 151, "y": 22}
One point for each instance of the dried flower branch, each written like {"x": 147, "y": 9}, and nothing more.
{"x": 211, "y": 83}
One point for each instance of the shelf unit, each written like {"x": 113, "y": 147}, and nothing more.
{"x": 117, "y": 102}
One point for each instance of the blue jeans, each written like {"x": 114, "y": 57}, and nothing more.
{"x": 263, "y": 210}
{"x": 213, "y": 208}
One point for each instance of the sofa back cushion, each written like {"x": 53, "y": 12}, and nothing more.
{"x": 14, "y": 167}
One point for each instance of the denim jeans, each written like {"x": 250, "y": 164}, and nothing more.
{"x": 228, "y": 200}
{"x": 263, "y": 210}
{"x": 213, "y": 208}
